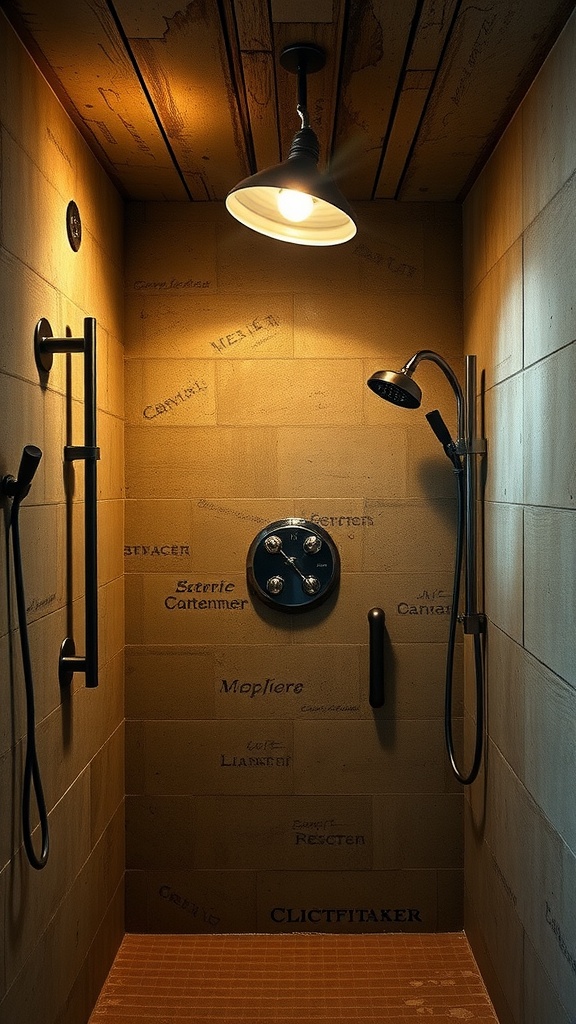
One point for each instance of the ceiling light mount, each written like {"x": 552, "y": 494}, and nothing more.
{"x": 293, "y": 201}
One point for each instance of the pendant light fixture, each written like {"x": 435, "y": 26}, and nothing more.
{"x": 293, "y": 201}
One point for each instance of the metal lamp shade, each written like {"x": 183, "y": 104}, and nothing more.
{"x": 254, "y": 203}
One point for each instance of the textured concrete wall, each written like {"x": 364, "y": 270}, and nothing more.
{"x": 61, "y": 926}
{"x": 520, "y": 282}
{"x": 246, "y": 403}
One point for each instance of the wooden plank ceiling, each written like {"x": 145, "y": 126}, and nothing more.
{"x": 182, "y": 100}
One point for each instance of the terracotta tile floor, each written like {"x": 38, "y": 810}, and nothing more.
{"x": 293, "y": 979}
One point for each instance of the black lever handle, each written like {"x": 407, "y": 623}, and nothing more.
{"x": 29, "y": 463}
{"x": 18, "y": 488}
{"x": 376, "y": 620}
{"x": 439, "y": 427}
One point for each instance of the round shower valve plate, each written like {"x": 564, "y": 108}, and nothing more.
{"x": 292, "y": 565}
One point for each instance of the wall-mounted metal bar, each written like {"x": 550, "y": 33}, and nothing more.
{"x": 45, "y": 345}
{"x": 376, "y": 619}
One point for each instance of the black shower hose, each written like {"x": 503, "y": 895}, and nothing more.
{"x": 466, "y": 780}
{"x": 31, "y": 768}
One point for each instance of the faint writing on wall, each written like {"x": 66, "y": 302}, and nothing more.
{"x": 392, "y": 264}
{"x": 156, "y": 550}
{"x": 172, "y": 285}
{"x": 226, "y": 511}
{"x": 259, "y": 754}
{"x": 345, "y": 915}
{"x": 343, "y": 522}
{"x": 326, "y": 832}
{"x": 38, "y": 604}
{"x": 266, "y": 688}
{"x": 210, "y": 603}
{"x": 423, "y": 609}
{"x": 150, "y": 412}
{"x": 326, "y": 709}
{"x": 166, "y": 892}
{"x": 255, "y": 327}
{"x": 560, "y": 938}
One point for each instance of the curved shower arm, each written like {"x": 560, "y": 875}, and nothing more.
{"x": 448, "y": 372}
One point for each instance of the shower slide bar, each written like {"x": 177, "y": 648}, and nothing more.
{"x": 45, "y": 346}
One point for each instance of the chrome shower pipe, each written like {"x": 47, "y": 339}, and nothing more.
{"x": 45, "y": 345}
{"x": 448, "y": 372}
{"x": 473, "y": 621}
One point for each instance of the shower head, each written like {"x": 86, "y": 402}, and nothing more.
{"x": 396, "y": 387}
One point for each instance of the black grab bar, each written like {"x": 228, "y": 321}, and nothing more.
{"x": 45, "y": 345}
{"x": 376, "y": 619}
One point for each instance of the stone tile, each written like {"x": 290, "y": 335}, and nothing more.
{"x": 182, "y": 462}
{"x": 111, "y": 463}
{"x": 494, "y": 325}
{"x": 504, "y": 574}
{"x": 541, "y": 1001}
{"x": 507, "y": 697}
{"x": 36, "y": 299}
{"x": 493, "y": 929}
{"x": 110, "y": 533}
{"x": 106, "y": 784}
{"x": 170, "y": 682}
{"x": 503, "y": 184}
{"x": 503, "y": 428}
{"x": 341, "y": 461}
{"x": 419, "y": 535}
{"x": 418, "y": 830}
{"x": 135, "y": 757}
{"x": 530, "y": 854}
{"x": 314, "y": 392}
{"x": 344, "y": 328}
{"x": 370, "y": 757}
{"x": 443, "y": 249}
{"x": 42, "y": 528}
{"x": 474, "y": 234}
{"x": 34, "y": 896}
{"x": 346, "y": 521}
{"x": 550, "y": 278}
{"x": 549, "y": 443}
{"x": 550, "y": 589}
{"x": 136, "y": 901}
{"x": 110, "y": 621}
{"x": 546, "y": 115}
{"x": 450, "y": 900}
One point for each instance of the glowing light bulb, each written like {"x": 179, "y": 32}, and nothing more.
{"x": 294, "y": 206}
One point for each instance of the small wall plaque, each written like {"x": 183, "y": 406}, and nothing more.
{"x": 292, "y": 565}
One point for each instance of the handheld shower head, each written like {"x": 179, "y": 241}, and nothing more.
{"x": 396, "y": 387}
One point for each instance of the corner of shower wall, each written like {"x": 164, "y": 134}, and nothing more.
{"x": 519, "y": 226}
{"x": 61, "y": 925}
